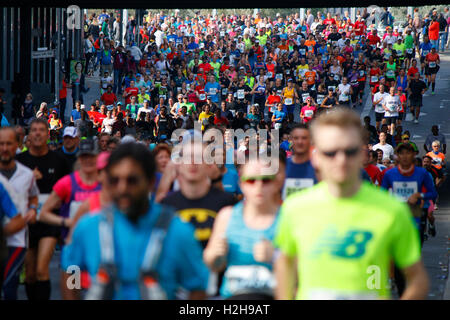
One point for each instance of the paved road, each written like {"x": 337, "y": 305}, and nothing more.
{"x": 436, "y": 110}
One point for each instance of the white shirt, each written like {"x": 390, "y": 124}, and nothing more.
{"x": 162, "y": 66}
{"x": 21, "y": 186}
{"x": 108, "y": 124}
{"x": 147, "y": 110}
{"x": 388, "y": 150}
{"x": 344, "y": 92}
{"x": 393, "y": 104}
{"x": 158, "y": 37}
{"x": 390, "y": 39}
{"x": 136, "y": 53}
{"x": 379, "y": 107}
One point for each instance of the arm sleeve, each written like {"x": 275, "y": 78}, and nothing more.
{"x": 405, "y": 239}
{"x": 73, "y": 253}
{"x": 284, "y": 239}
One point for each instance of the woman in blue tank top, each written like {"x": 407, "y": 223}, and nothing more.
{"x": 241, "y": 239}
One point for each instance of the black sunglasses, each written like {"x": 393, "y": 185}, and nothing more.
{"x": 350, "y": 152}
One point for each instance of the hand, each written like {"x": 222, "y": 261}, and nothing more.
{"x": 220, "y": 248}
{"x": 414, "y": 198}
{"x": 37, "y": 174}
{"x": 263, "y": 251}
{"x": 68, "y": 222}
{"x": 30, "y": 216}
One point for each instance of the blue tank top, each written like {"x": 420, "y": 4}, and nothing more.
{"x": 241, "y": 240}
{"x": 402, "y": 82}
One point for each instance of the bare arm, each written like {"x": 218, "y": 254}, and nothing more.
{"x": 215, "y": 252}
{"x": 417, "y": 282}
{"x": 14, "y": 225}
{"x": 168, "y": 177}
{"x": 82, "y": 210}
{"x": 47, "y": 216}
{"x": 284, "y": 268}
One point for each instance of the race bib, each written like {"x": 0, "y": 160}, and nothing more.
{"x": 386, "y": 56}
{"x": 329, "y": 294}
{"x": 336, "y": 77}
{"x": 74, "y": 206}
{"x": 399, "y": 52}
{"x": 409, "y": 51}
{"x": 304, "y": 96}
{"x": 288, "y": 71}
{"x": 188, "y": 87}
{"x": 270, "y": 74}
{"x": 178, "y": 89}
{"x": 320, "y": 99}
{"x": 344, "y": 97}
{"x": 288, "y": 101}
{"x": 202, "y": 96}
{"x": 361, "y": 73}
{"x": 224, "y": 91}
{"x": 212, "y": 91}
{"x": 332, "y": 87}
{"x": 279, "y": 76}
{"x": 403, "y": 190}
{"x": 41, "y": 200}
{"x": 293, "y": 185}
{"x": 249, "y": 279}
{"x": 432, "y": 64}
{"x": 302, "y": 52}
{"x": 309, "y": 113}
{"x": 373, "y": 79}
{"x": 425, "y": 52}
{"x": 222, "y": 33}
{"x": 240, "y": 94}
{"x": 390, "y": 74}
{"x": 162, "y": 96}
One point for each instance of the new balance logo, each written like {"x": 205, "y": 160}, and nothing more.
{"x": 351, "y": 245}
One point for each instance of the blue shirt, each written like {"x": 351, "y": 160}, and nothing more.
{"x": 75, "y": 114}
{"x": 180, "y": 263}
{"x": 279, "y": 114}
{"x": 215, "y": 88}
{"x": 7, "y": 207}
{"x": 298, "y": 177}
{"x": 405, "y": 186}
{"x": 425, "y": 48}
{"x": 230, "y": 180}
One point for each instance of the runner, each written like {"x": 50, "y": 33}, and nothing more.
{"x": 416, "y": 89}
{"x": 130, "y": 172}
{"x": 346, "y": 216}
{"x": 48, "y": 167}
{"x": 432, "y": 62}
{"x": 241, "y": 238}
{"x": 377, "y": 102}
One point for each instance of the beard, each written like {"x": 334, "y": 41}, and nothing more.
{"x": 6, "y": 159}
{"x": 137, "y": 208}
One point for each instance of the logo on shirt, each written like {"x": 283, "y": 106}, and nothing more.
{"x": 351, "y": 245}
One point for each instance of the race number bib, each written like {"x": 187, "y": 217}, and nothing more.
{"x": 270, "y": 75}
{"x": 188, "y": 87}
{"x": 374, "y": 79}
{"x": 320, "y": 99}
{"x": 392, "y": 106}
{"x": 240, "y": 94}
{"x": 41, "y": 200}
{"x": 288, "y": 72}
{"x": 409, "y": 51}
{"x": 224, "y": 91}
{"x": 162, "y": 96}
{"x": 332, "y": 88}
{"x": 178, "y": 89}
{"x": 425, "y": 52}
{"x": 212, "y": 91}
{"x": 288, "y": 101}
{"x": 304, "y": 96}
{"x": 344, "y": 97}
{"x": 361, "y": 73}
{"x": 279, "y": 76}
{"x": 74, "y": 206}
{"x": 403, "y": 190}
{"x": 302, "y": 52}
{"x": 387, "y": 56}
{"x": 293, "y": 185}
{"x": 399, "y": 52}
{"x": 432, "y": 64}
{"x": 202, "y": 96}
{"x": 250, "y": 278}
{"x": 390, "y": 74}
{"x": 309, "y": 113}
{"x": 336, "y": 77}
{"x": 222, "y": 33}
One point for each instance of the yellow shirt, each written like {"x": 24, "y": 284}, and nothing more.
{"x": 203, "y": 117}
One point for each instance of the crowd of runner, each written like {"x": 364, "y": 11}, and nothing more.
{"x": 103, "y": 187}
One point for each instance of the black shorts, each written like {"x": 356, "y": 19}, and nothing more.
{"x": 415, "y": 102}
{"x": 410, "y": 55}
{"x": 390, "y": 120}
{"x": 379, "y": 116}
{"x": 401, "y": 116}
{"x": 429, "y": 71}
{"x": 41, "y": 230}
{"x": 422, "y": 59}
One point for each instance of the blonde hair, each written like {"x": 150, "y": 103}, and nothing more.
{"x": 340, "y": 117}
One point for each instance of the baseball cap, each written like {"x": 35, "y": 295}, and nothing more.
{"x": 119, "y": 103}
{"x": 138, "y": 74}
{"x": 102, "y": 160}
{"x": 405, "y": 136}
{"x": 403, "y": 146}
{"x": 71, "y": 132}
{"x": 87, "y": 146}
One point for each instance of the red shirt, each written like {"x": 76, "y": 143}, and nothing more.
{"x": 63, "y": 91}
{"x": 92, "y": 115}
{"x": 220, "y": 121}
{"x": 134, "y": 92}
{"x": 329, "y": 21}
{"x": 373, "y": 40}
{"x": 108, "y": 98}
{"x": 201, "y": 92}
{"x": 374, "y": 72}
{"x": 412, "y": 71}
{"x": 361, "y": 26}
{"x": 224, "y": 67}
{"x": 205, "y": 66}
{"x": 374, "y": 173}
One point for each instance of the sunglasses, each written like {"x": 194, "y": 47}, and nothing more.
{"x": 350, "y": 152}
{"x": 130, "y": 180}
{"x": 264, "y": 179}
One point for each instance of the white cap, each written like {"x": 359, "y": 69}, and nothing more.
{"x": 71, "y": 132}
{"x": 82, "y": 106}
{"x": 128, "y": 138}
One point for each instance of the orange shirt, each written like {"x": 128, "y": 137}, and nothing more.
{"x": 310, "y": 77}
{"x": 438, "y": 159}
{"x": 310, "y": 44}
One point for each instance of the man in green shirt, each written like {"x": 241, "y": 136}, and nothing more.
{"x": 409, "y": 49}
{"x": 345, "y": 232}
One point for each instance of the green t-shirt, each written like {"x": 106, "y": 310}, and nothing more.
{"x": 409, "y": 42}
{"x": 399, "y": 48}
{"x": 342, "y": 244}
{"x": 390, "y": 70}
{"x": 190, "y": 107}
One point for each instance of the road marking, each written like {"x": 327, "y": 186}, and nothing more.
{"x": 367, "y": 106}
{"x": 416, "y": 136}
